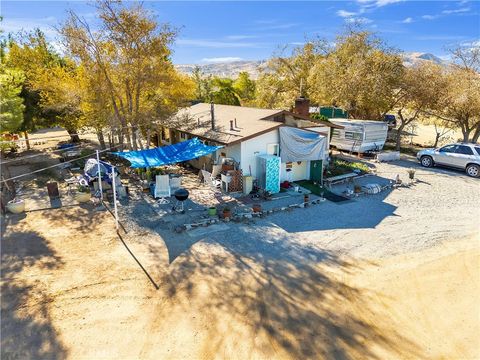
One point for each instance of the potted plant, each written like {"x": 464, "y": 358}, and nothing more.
{"x": 16, "y": 206}
{"x": 83, "y": 194}
{"x": 256, "y": 208}
{"x": 212, "y": 211}
{"x": 357, "y": 189}
{"x": 227, "y": 212}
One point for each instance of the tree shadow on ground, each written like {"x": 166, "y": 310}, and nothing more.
{"x": 270, "y": 296}
{"x": 365, "y": 212}
{"x": 27, "y": 330}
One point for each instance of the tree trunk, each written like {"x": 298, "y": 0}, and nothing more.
{"x": 101, "y": 139}
{"x": 148, "y": 139}
{"x": 139, "y": 138}
{"x": 120, "y": 139}
{"x": 398, "y": 137}
{"x": 134, "y": 138}
{"x": 437, "y": 138}
{"x": 466, "y": 134}
{"x": 27, "y": 141}
{"x": 73, "y": 135}
{"x": 476, "y": 134}
{"x": 110, "y": 140}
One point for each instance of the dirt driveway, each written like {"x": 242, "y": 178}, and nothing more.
{"x": 387, "y": 276}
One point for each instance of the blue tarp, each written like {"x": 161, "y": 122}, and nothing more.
{"x": 170, "y": 154}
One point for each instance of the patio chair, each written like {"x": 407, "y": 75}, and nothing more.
{"x": 216, "y": 170}
{"x": 175, "y": 183}
{"x": 213, "y": 183}
{"x": 162, "y": 188}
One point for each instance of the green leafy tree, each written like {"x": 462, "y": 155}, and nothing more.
{"x": 132, "y": 53}
{"x": 360, "y": 74}
{"x": 31, "y": 53}
{"x": 11, "y": 103}
{"x": 223, "y": 92}
{"x": 244, "y": 87}
{"x": 287, "y": 75}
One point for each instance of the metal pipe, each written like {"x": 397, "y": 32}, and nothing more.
{"x": 99, "y": 177}
{"x": 114, "y": 186}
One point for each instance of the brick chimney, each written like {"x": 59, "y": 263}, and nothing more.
{"x": 302, "y": 106}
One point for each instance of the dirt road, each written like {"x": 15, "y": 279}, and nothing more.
{"x": 71, "y": 289}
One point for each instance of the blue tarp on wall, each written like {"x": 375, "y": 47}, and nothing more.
{"x": 170, "y": 154}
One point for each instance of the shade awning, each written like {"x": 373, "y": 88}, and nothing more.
{"x": 170, "y": 154}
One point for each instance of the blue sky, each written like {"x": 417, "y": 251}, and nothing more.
{"x": 221, "y": 31}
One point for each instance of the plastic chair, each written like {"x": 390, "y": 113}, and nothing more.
{"x": 207, "y": 178}
{"x": 162, "y": 188}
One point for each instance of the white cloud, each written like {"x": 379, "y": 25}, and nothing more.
{"x": 473, "y": 44}
{"x": 359, "y": 20}
{"x": 222, "y": 59}
{"x": 377, "y": 3}
{"x": 430, "y": 17}
{"x": 13, "y": 25}
{"x": 407, "y": 20}
{"x": 439, "y": 37}
{"x": 456, "y": 11}
{"x": 215, "y": 43}
{"x": 241, "y": 37}
{"x": 345, "y": 14}
{"x": 279, "y": 26}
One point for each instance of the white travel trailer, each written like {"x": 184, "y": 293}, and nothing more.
{"x": 359, "y": 135}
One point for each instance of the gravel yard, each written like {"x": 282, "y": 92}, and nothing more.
{"x": 379, "y": 276}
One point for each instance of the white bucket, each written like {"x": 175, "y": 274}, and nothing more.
{"x": 16, "y": 206}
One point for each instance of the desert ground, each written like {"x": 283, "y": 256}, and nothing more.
{"x": 386, "y": 276}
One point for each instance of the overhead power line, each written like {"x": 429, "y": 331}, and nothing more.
{"x": 35, "y": 155}
{"x": 51, "y": 167}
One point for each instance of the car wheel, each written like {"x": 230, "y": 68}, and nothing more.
{"x": 473, "y": 170}
{"x": 426, "y": 161}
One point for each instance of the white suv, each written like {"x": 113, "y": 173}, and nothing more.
{"x": 465, "y": 156}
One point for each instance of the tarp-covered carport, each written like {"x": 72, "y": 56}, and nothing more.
{"x": 301, "y": 145}
{"x": 170, "y": 154}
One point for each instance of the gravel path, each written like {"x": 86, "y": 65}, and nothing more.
{"x": 441, "y": 205}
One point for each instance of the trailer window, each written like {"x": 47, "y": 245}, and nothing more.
{"x": 336, "y": 133}
{"x": 353, "y": 135}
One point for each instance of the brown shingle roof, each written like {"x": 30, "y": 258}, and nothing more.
{"x": 196, "y": 120}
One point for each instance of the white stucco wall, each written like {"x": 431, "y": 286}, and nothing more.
{"x": 232, "y": 151}
{"x": 299, "y": 171}
{"x": 256, "y": 146}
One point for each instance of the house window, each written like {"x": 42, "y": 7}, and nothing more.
{"x": 273, "y": 149}
{"x": 353, "y": 135}
{"x": 183, "y": 136}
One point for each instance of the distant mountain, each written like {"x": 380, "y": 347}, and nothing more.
{"x": 232, "y": 69}
{"x": 226, "y": 69}
{"x": 413, "y": 58}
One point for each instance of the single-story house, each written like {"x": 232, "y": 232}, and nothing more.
{"x": 247, "y": 133}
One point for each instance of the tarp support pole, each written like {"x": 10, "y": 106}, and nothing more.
{"x": 114, "y": 186}
{"x": 99, "y": 178}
